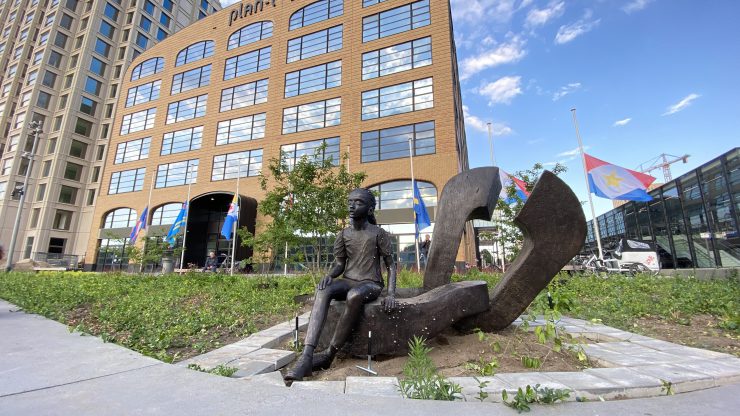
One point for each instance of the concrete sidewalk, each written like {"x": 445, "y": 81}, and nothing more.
{"x": 46, "y": 370}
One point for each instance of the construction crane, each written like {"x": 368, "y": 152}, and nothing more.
{"x": 662, "y": 161}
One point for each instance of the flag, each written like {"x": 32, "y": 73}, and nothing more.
{"x": 615, "y": 182}
{"x": 421, "y": 216}
{"x": 140, "y": 225}
{"x": 519, "y": 186}
{"x": 231, "y": 218}
{"x": 179, "y": 223}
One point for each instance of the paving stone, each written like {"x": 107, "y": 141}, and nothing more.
{"x": 587, "y": 385}
{"x": 259, "y": 341}
{"x": 516, "y": 380}
{"x": 722, "y": 372}
{"x": 471, "y": 387}
{"x": 249, "y": 367}
{"x": 280, "y": 358}
{"x": 335, "y": 387}
{"x": 657, "y": 344}
{"x": 372, "y": 386}
{"x": 636, "y": 384}
{"x": 274, "y": 378}
{"x": 682, "y": 378}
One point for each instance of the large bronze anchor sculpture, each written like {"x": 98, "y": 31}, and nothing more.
{"x": 554, "y": 230}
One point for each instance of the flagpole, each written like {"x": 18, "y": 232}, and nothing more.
{"x": 238, "y": 208}
{"x": 146, "y": 235}
{"x": 496, "y": 213}
{"x": 588, "y": 185}
{"x": 187, "y": 215}
{"x": 413, "y": 183}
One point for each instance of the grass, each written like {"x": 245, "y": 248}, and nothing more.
{"x": 166, "y": 317}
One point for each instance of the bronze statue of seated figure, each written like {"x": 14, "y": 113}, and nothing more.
{"x": 358, "y": 251}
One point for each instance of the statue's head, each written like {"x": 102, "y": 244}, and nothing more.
{"x": 362, "y": 205}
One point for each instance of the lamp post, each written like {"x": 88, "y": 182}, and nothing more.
{"x": 36, "y": 126}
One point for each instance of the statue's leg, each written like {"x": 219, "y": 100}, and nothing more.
{"x": 357, "y": 297}
{"x": 338, "y": 289}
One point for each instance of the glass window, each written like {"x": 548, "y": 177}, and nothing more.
{"x": 250, "y": 34}
{"x": 97, "y": 66}
{"x": 313, "y": 44}
{"x": 102, "y": 48}
{"x": 397, "y": 20}
{"x": 66, "y": 21}
{"x": 316, "y": 12}
{"x": 312, "y": 116}
{"x": 126, "y": 181}
{"x": 149, "y": 7}
{"x": 50, "y": 79}
{"x": 73, "y": 171}
{"x": 143, "y": 93}
{"x": 107, "y": 30}
{"x": 397, "y": 99}
{"x": 83, "y": 127}
{"x": 138, "y": 121}
{"x": 244, "y": 95}
{"x": 315, "y": 78}
{"x": 195, "y": 52}
{"x": 243, "y": 164}
{"x": 247, "y": 63}
{"x": 111, "y": 12}
{"x": 132, "y": 150}
{"x": 315, "y": 151}
{"x": 55, "y": 59}
{"x": 176, "y": 174}
{"x": 400, "y": 194}
{"x": 43, "y": 39}
{"x": 145, "y": 23}
{"x": 88, "y": 106}
{"x": 60, "y": 40}
{"x": 7, "y": 167}
{"x": 149, "y": 67}
{"x": 3, "y": 188}
{"x": 78, "y": 149}
{"x": 161, "y": 34}
{"x": 187, "y": 109}
{"x": 167, "y": 4}
{"x": 93, "y": 86}
{"x": 182, "y": 140}
{"x": 393, "y": 143}
{"x": 722, "y": 220}
{"x": 241, "y": 129}
{"x": 67, "y": 195}
{"x": 62, "y": 220}
{"x": 166, "y": 214}
{"x": 141, "y": 40}
{"x": 43, "y": 99}
{"x": 397, "y": 58}
{"x": 120, "y": 218}
{"x": 188, "y": 80}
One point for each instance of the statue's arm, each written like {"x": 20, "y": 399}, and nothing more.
{"x": 340, "y": 261}
{"x": 390, "y": 300}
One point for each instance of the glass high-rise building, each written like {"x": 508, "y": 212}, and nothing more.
{"x": 62, "y": 63}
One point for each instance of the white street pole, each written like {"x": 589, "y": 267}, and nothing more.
{"x": 416, "y": 229}
{"x": 187, "y": 215}
{"x": 238, "y": 209}
{"x": 146, "y": 219}
{"x": 36, "y": 126}
{"x": 588, "y": 185}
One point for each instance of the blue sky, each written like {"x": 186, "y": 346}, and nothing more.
{"x": 646, "y": 77}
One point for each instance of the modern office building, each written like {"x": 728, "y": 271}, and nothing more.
{"x": 62, "y": 64}
{"x": 262, "y": 79}
{"x": 693, "y": 219}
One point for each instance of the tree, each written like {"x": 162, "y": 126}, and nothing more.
{"x": 306, "y": 204}
{"x": 509, "y": 234}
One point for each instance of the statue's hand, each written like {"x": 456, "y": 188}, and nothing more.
{"x": 323, "y": 283}
{"x": 390, "y": 303}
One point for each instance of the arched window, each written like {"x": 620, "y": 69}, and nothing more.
{"x": 195, "y": 52}
{"x": 316, "y": 12}
{"x": 250, "y": 34}
{"x": 149, "y": 67}
{"x": 166, "y": 214}
{"x": 120, "y": 218}
{"x": 399, "y": 194}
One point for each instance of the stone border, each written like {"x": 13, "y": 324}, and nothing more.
{"x": 634, "y": 366}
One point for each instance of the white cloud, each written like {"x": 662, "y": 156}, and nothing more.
{"x": 565, "y": 90}
{"x": 503, "y": 90}
{"x": 567, "y": 33}
{"x": 538, "y": 17}
{"x": 226, "y": 3}
{"x": 685, "y": 102}
{"x": 636, "y": 5}
{"x": 482, "y": 11}
{"x": 623, "y": 122}
{"x": 572, "y": 153}
{"x": 505, "y": 53}
{"x": 497, "y": 129}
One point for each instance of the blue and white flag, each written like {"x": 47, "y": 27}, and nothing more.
{"x": 177, "y": 225}
{"x": 140, "y": 225}
{"x": 421, "y": 216}
{"x": 231, "y": 217}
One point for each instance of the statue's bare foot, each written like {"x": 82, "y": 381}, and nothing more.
{"x": 323, "y": 360}
{"x": 300, "y": 369}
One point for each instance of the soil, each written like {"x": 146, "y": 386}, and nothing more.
{"x": 451, "y": 352}
{"x": 700, "y": 331}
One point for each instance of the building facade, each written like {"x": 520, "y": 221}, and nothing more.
{"x": 62, "y": 65}
{"x": 693, "y": 219}
{"x": 270, "y": 79}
